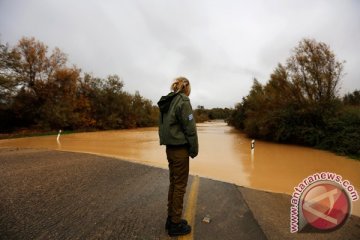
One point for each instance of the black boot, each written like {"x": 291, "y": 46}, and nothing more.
{"x": 168, "y": 221}
{"x": 178, "y": 229}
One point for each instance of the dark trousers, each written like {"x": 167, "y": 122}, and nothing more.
{"x": 178, "y": 158}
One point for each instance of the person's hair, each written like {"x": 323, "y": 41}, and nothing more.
{"x": 181, "y": 84}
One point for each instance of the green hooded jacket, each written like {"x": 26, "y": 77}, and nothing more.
{"x": 177, "y": 125}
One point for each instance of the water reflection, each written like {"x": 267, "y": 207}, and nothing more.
{"x": 225, "y": 154}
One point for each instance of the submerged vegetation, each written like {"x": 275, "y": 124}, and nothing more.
{"x": 39, "y": 91}
{"x": 300, "y": 104}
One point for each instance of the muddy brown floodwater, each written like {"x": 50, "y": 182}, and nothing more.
{"x": 224, "y": 155}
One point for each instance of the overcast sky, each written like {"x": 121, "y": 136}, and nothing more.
{"x": 220, "y": 46}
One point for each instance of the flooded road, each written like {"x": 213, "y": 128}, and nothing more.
{"x": 224, "y": 154}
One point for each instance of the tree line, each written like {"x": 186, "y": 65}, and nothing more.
{"x": 38, "y": 90}
{"x": 300, "y": 103}
{"x": 202, "y": 114}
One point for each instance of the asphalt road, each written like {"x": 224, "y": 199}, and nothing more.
{"x": 62, "y": 195}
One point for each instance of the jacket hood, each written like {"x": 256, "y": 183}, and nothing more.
{"x": 165, "y": 101}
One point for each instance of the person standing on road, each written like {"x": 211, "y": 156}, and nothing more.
{"x": 177, "y": 130}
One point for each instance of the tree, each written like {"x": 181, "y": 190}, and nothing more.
{"x": 58, "y": 100}
{"x": 352, "y": 98}
{"x": 32, "y": 60}
{"x": 299, "y": 96}
{"x": 7, "y": 82}
{"x": 314, "y": 71}
{"x": 7, "y": 90}
{"x": 38, "y": 90}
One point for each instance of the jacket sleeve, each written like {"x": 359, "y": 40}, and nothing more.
{"x": 188, "y": 125}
